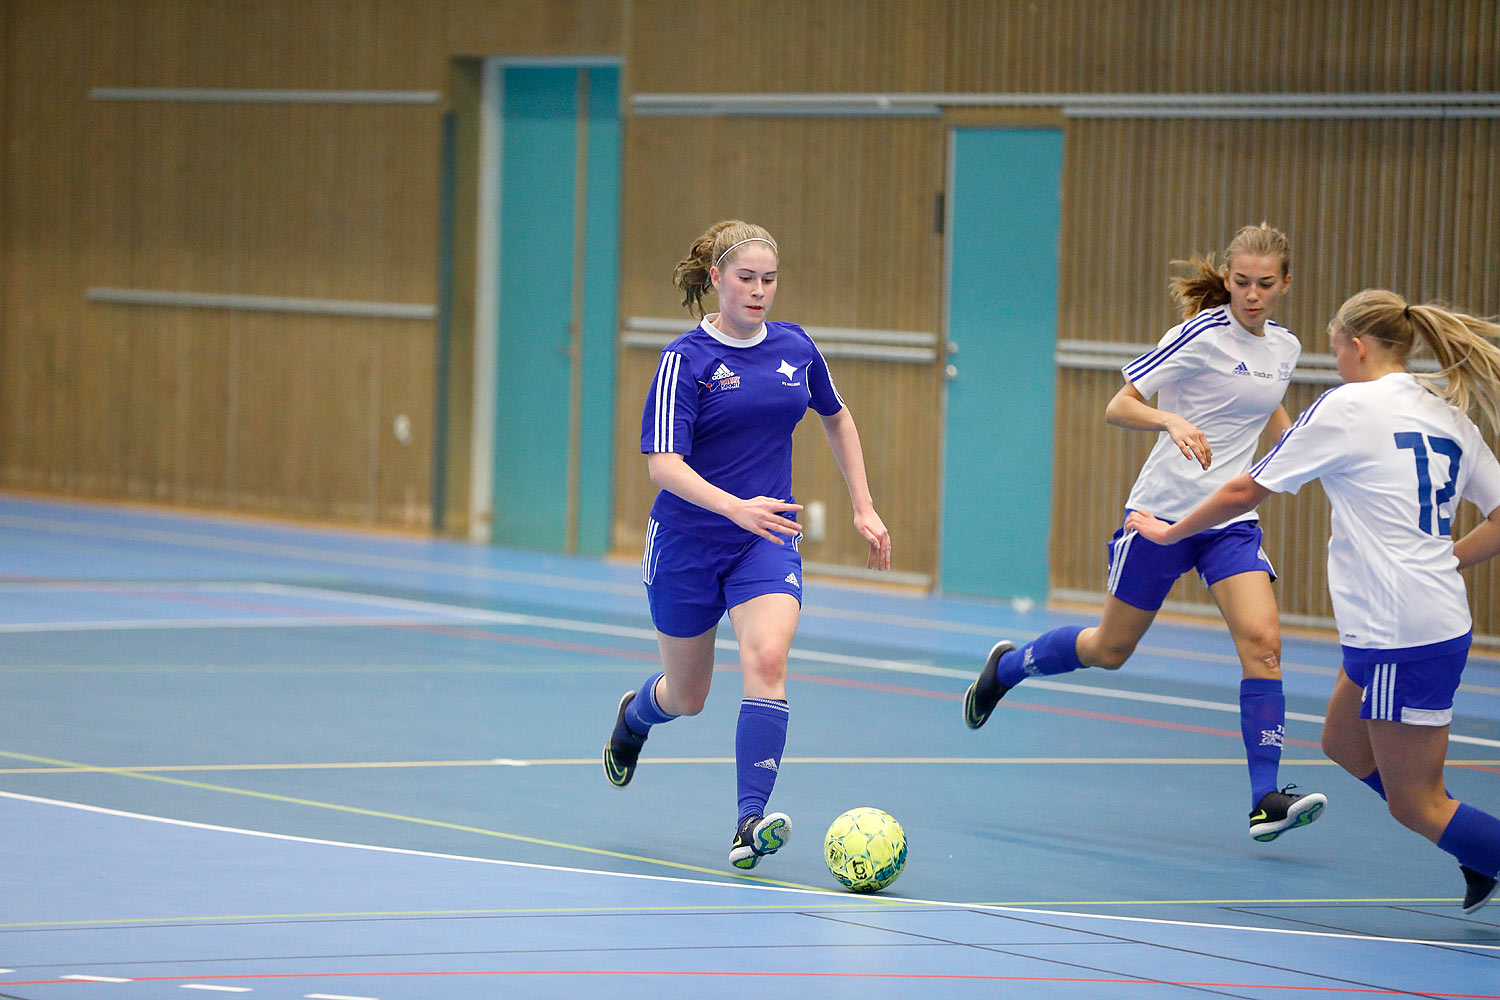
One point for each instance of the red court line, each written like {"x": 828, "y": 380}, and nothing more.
{"x": 758, "y": 974}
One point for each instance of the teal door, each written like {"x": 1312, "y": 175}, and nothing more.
{"x": 1005, "y": 206}
{"x": 558, "y": 265}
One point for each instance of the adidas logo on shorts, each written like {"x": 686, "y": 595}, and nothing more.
{"x": 792, "y": 579}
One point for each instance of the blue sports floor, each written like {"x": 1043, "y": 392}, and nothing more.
{"x": 241, "y": 757}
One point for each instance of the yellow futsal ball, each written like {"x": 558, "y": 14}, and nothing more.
{"x": 865, "y": 849}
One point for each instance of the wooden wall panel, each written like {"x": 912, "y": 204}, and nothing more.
{"x": 851, "y": 204}
{"x": 1184, "y": 46}
{"x": 807, "y": 46}
{"x": 1132, "y": 46}
{"x": 272, "y": 412}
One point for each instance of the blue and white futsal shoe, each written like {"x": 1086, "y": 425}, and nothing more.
{"x": 757, "y": 837}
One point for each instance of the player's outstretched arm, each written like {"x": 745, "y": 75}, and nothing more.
{"x": 1130, "y": 411}
{"x": 761, "y": 515}
{"x": 843, "y": 441}
{"x": 1482, "y": 543}
{"x": 1239, "y": 495}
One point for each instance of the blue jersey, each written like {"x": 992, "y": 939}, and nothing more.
{"x": 729, "y": 408}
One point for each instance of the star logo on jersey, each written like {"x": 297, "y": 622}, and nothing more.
{"x": 1242, "y": 369}
{"x": 787, "y": 370}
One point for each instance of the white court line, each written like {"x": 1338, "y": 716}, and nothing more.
{"x": 216, "y": 989}
{"x": 174, "y": 624}
{"x": 853, "y": 900}
{"x": 97, "y": 979}
{"x": 432, "y": 612}
{"x": 333, "y": 996}
{"x": 869, "y": 663}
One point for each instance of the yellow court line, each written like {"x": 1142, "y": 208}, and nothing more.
{"x": 421, "y": 821}
{"x": 593, "y": 761}
{"x": 841, "y": 902}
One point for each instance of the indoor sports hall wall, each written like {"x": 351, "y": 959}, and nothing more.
{"x": 261, "y": 406}
{"x": 1405, "y": 200}
{"x": 296, "y": 413}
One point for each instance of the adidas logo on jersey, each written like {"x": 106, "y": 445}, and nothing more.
{"x": 722, "y": 379}
{"x": 1241, "y": 369}
{"x": 792, "y": 579}
{"x": 769, "y": 764}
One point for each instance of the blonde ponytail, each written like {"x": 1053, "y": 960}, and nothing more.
{"x": 1468, "y": 359}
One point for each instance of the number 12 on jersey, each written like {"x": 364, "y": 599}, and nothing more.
{"x": 1429, "y": 499}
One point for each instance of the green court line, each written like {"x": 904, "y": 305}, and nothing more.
{"x": 593, "y": 761}
{"x": 398, "y": 817}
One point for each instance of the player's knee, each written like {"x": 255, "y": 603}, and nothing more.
{"x": 692, "y": 705}
{"x": 1415, "y": 812}
{"x": 1262, "y": 652}
{"x": 1110, "y": 657}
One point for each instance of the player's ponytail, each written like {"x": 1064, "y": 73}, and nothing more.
{"x": 1468, "y": 360}
{"x": 1205, "y": 288}
{"x": 708, "y": 251}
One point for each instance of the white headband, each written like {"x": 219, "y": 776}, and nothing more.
{"x": 741, "y": 243}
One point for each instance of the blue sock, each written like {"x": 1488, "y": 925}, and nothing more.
{"x": 1054, "y": 652}
{"x": 1262, "y": 727}
{"x": 759, "y": 740}
{"x": 1473, "y": 837}
{"x": 1373, "y": 780}
{"x": 643, "y": 712}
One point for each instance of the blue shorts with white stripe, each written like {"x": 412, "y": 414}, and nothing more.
{"x": 1141, "y": 572}
{"x": 1413, "y": 684}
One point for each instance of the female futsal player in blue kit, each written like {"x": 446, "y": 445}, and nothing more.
{"x": 1219, "y": 378}
{"x": 1395, "y": 452}
{"x": 717, "y": 434}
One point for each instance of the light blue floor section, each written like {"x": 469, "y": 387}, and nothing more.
{"x": 429, "y": 696}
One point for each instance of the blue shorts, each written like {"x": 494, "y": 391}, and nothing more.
{"x": 692, "y": 580}
{"x": 1414, "y": 685}
{"x": 1141, "y": 573}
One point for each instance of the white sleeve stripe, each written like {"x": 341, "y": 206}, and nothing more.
{"x": 672, "y": 405}
{"x": 666, "y": 400}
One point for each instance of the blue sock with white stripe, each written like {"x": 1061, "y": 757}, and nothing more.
{"x": 759, "y": 739}
{"x": 1054, "y": 652}
{"x": 1473, "y": 837}
{"x": 643, "y": 712}
{"x": 1262, "y": 727}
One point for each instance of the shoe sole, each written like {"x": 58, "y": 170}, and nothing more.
{"x": 972, "y": 718}
{"x": 618, "y": 776}
{"x": 771, "y": 835}
{"x": 1306, "y": 809}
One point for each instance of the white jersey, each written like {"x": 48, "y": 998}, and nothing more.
{"x": 1394, "y": 460}
{"x": 1224, "y": 380}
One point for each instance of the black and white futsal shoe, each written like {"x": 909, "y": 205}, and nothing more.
{"x": 1480, "y": 887}
{"x": 985, "y": 693}
{"x": 1278, "y": 812}
{"x": 623, "y": 749}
